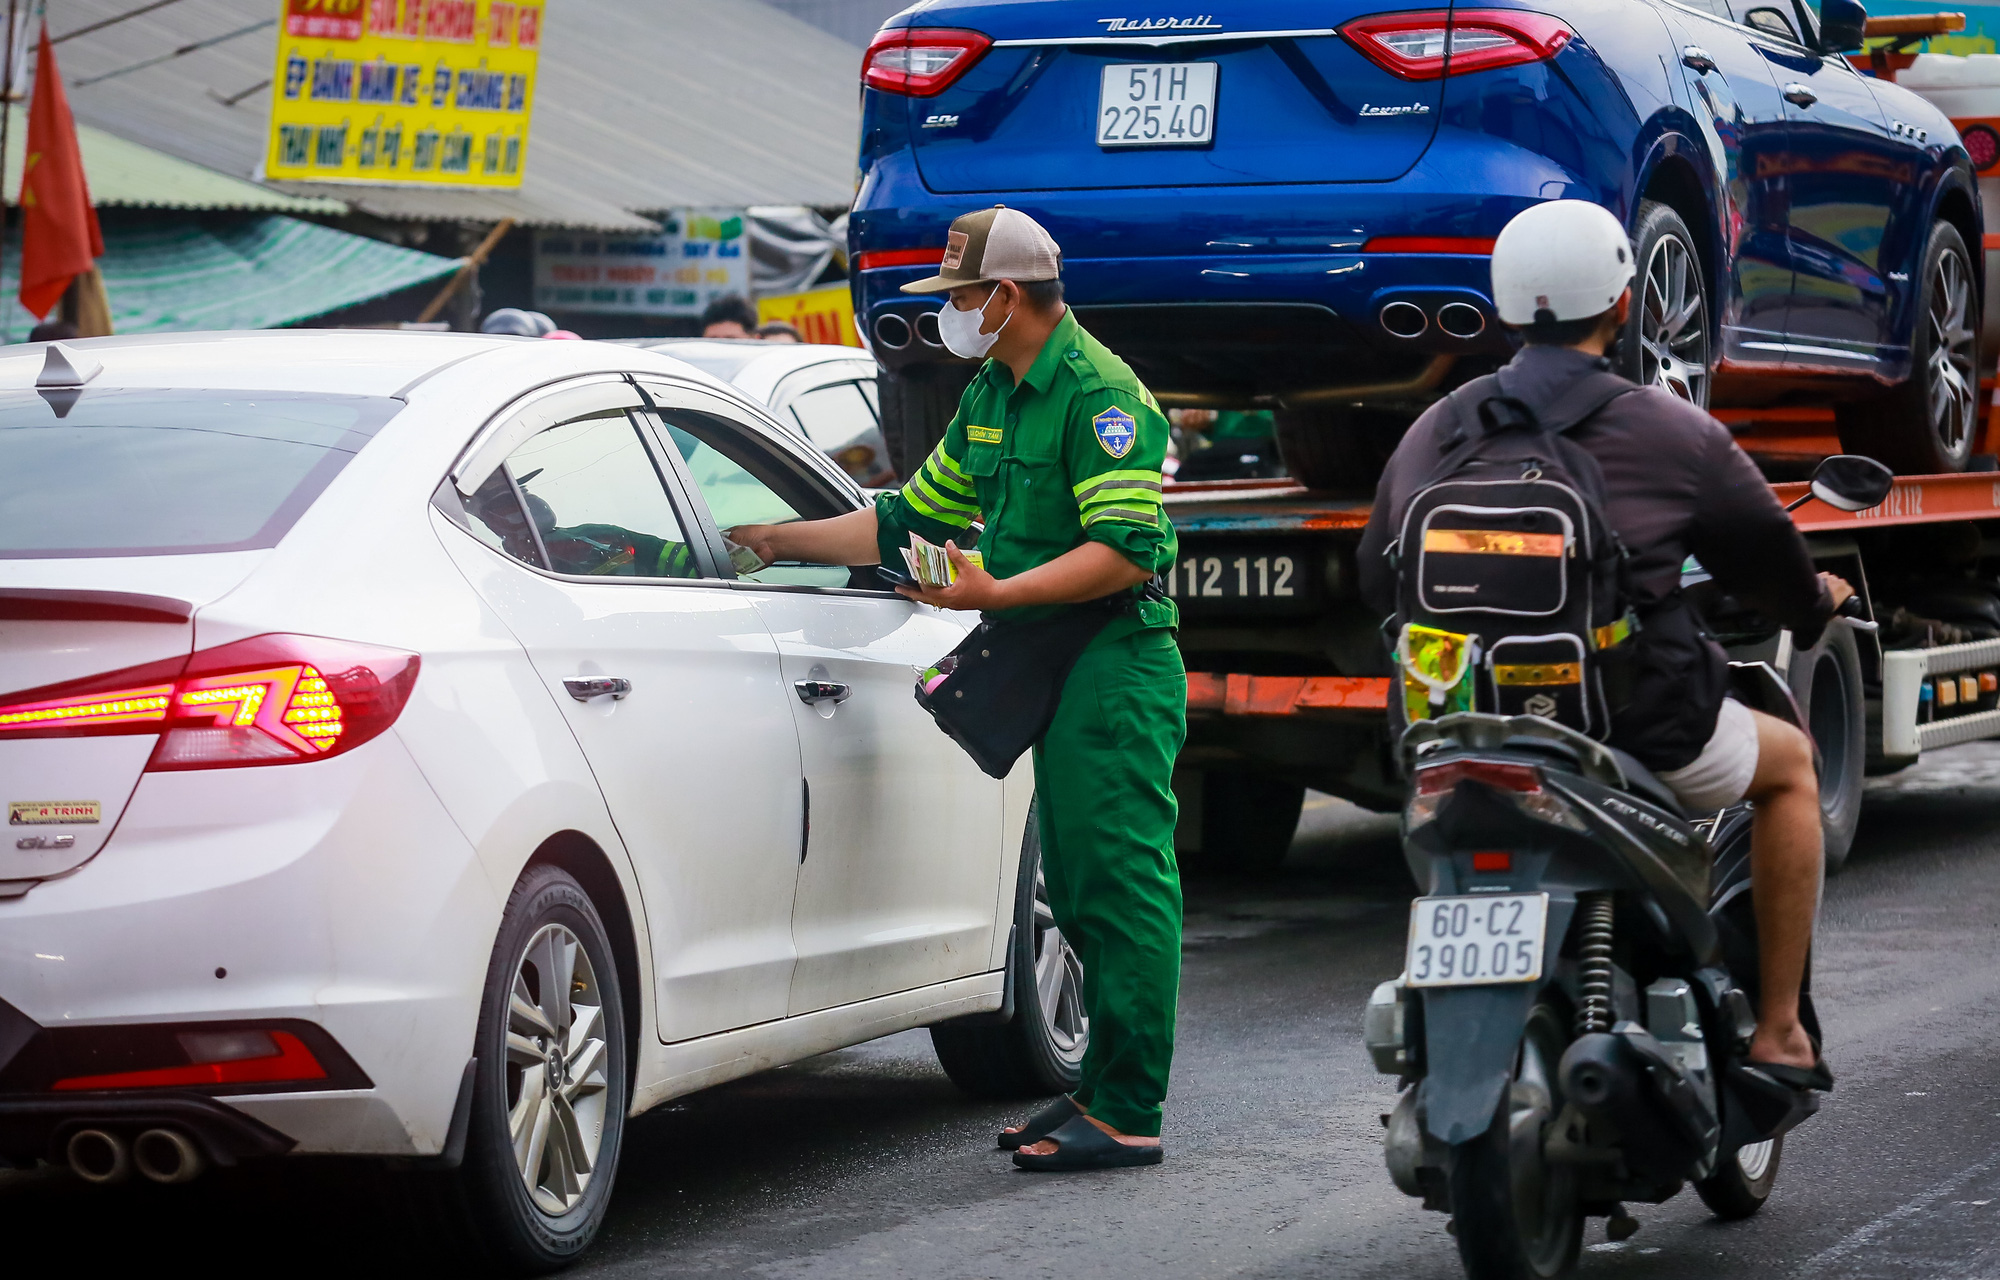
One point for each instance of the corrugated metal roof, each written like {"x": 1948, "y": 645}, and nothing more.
{"x": 640, "y": 105}
{"x": 181, "y": 273}
{"x": 124, "y": 173}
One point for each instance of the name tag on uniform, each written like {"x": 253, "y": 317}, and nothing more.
{"x": 1116, "y": 431}
{"x": 983, "y": 435}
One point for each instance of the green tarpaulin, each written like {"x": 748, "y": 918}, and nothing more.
{"x": 180, "y": 272}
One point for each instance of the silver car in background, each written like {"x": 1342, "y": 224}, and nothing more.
{"x": 826, "y": 393}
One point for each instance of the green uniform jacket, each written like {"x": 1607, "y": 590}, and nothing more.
{"x": 1070, "y": 455}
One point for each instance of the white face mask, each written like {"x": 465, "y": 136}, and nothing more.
{"x": 960, "y": 329}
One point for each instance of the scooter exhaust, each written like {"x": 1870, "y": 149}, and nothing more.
{"x": 99, "y": 1157}
{"x": 168, "y": 1157}
{"x": 1624, "y": 1082}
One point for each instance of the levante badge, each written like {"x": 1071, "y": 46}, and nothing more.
{"x": 1115, "y": 431}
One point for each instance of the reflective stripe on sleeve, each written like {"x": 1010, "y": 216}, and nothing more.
{"x": 1097, "y": 515}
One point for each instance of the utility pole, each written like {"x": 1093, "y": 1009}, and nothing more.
{"x": 7, "y": 91}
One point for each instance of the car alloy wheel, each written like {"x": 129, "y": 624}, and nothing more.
{"x": 1949, "y": 377}
{"x": 556, "y": 1060}
{"x": 1058, "y": 981}
{"x": 1673, "y": 322}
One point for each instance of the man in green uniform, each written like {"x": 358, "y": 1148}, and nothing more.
{"x": 1057, "y": 448}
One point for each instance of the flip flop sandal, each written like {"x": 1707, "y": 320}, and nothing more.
{"x": 1817, "y": 1077}
{"x": 1082, "y": 1145}
{"x": 1041, "y": 1124}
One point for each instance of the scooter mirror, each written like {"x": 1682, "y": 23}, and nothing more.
{"x": 1850, "y": 482}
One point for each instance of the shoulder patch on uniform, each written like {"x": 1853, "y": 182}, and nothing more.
{"x": 1116, "y": 430}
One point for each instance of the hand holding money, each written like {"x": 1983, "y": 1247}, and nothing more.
{"x": 971, "y": 587}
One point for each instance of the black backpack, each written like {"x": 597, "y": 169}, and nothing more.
{"x": 1509, "y": 582}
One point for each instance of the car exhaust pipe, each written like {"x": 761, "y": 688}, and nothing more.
{"x": 1403, "y": 319}
{"x": 168, "y": 1157}
{"x": 1461, "y": 320}
{"x": 99, "y": 1157}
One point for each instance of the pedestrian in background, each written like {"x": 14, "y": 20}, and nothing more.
{"x": 778, "y": 331}
{"x": 729, "y": 316}
{"x": 1058, "y": 445}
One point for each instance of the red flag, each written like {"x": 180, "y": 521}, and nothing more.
{"x": 59, "y": 235}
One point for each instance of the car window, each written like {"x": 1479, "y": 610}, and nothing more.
{"x": 583, "y": 497}
{"x": 744, "y": 480}
{"x": 111, "y": 472}
{"x": 1771, "y": 21}
{"x": 833, "y": 417}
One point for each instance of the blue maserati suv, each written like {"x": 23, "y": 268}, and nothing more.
{"x": 1289, "y": 204}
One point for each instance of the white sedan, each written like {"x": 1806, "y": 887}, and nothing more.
{"x": 395, "y": 766}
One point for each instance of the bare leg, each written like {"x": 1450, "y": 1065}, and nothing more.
{"x": 1785, "y": 871}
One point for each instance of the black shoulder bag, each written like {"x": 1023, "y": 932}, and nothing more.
{"x": 996, "y": 693}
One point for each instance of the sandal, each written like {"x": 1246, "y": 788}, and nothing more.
{"x": 1816, "y": 1077}
{"x": 1041, "y": 1124}
{"x": 1082, "y": 1145}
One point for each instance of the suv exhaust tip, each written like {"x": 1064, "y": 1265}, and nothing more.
{"x": 1403, "y": 319}
{"x": 892, "y": 331}
{"x": 1461, "y": 320}
{"x": 168, "y": 1157}
{"x": 99, "y": 1157}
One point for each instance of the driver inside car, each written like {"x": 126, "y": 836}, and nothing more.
{"x": 591, "y": 549}
{"x": 1675, "y": 484}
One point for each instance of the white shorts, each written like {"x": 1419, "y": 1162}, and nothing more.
{"x": 1720, "y": 776}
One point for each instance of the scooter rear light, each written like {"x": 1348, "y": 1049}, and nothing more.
{"x": 1438, "y": 778}
{"x": 1431, "y": 44}
{"x": 274, "y": 699}
{"x": 1492, "y": 860}
{"x": 920, "y": 62}
{"x": 231, "y": 1057}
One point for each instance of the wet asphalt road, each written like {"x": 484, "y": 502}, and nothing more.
{"x": 868, "y": 1163}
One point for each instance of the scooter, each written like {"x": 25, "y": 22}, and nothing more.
{"x": 1572, "y": 1024}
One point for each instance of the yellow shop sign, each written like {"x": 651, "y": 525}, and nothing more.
{"x": 432, "y": 92}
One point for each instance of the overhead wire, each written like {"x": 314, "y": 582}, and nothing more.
{"x": 111, "y": 21}
{"x": 171, "y": 55}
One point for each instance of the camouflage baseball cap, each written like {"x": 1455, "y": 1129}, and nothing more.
{"x": 993, "y": 244}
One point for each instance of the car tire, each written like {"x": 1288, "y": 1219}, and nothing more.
{"x": 1826, "y": 682}
{"x": 1039, "y": 1051}
{"x": 918, "y": 402}
{"x": 1666, "y": 341}
{"x": 487, "y": 1206}
{"x": 1247, "y": 822}
{"x": 1338, "y": 448}
{"x": 1927, "y": 424}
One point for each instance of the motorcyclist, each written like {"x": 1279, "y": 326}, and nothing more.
{"x": 1675, "y": 484}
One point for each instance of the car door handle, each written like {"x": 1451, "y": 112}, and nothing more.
{"x": 1800, "y": 96}
{"x": 584, "y": 688}
{"x": 812, "y": 692}
{"x": 1695, "y": 58}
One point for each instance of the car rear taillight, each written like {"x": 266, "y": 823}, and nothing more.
{"x": 216, "y": 1057}
{"x": 1433, "y": 43}
{"x": 919, "y": 62}
{"x": 869, "y": 259}
{"x": 276, "y": 699}
{"x": 1439, "y": 778}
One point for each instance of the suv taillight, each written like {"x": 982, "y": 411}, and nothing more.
{"x": 919, "y": 62}
{"x": 275, "y": 699}
{"x": 1430, "y": 44}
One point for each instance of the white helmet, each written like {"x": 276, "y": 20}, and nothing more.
{"x": 1569, "y": 258}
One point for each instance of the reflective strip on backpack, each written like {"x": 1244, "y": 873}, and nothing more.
{"x": 1493, "y": 542}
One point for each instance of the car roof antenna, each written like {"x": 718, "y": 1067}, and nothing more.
{"x": 66, "y": 367}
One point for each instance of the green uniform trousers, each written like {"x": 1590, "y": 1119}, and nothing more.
{"x": 1102, "y": 775}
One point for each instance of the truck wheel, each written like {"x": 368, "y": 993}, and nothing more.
{"x": 1743, "y": 1183}
{"x": 550, "y": 1089}
{"x": 1340, "y": 448}
{"x": 1039, "y": 1051}
{"x": 1515, "y": 1214}
{"x": 1665, "y": 341}
{"x": 1826, "y": 681}
{"x": 917, "y": 405}
{"x": 1926, "y": 425}
{"x": 1248, "y": 821}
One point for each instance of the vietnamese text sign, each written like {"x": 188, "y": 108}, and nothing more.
{"x": 820, "y": 315}
{"x": 700, "y": 255}
{"x": 403, "y": 91}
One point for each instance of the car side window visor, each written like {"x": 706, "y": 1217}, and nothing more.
{"x": 521, "y": 421}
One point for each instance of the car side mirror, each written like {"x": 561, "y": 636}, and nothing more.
{"x": 1841, "y": 25}
{"x": 1850, "y": 482}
